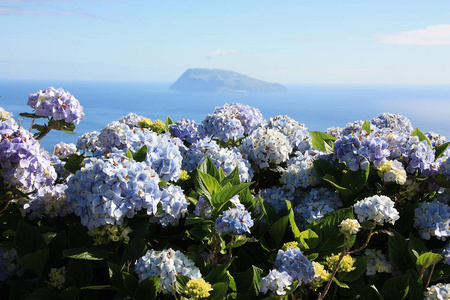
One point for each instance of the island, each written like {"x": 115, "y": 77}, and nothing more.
{"x": 222, "y": 81}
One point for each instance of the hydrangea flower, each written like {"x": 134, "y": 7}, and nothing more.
{"x": 277, "y": 196}
{"x": 89, "y": 142}
{"x": 297, "y": 134}
{"x": 5, "y": 115}
{"x": 131, "y": 120}
{"x": 439, "y": 291}
{"x": 334, "y": 131}
{"x": 376, "y": 262}
{"x": 9, "y": 264}
{"x": 346, "y": 149}
{"x": 62, "y": 150}
{"x": 393, "y": 121}
{"x": 355, "y": 127}
{"x": 350, "y": 226}
{"x": 196, "y": 152}
{"x": 446, "y": 254}
{"x": 173, "y": 204}
{"x": 445, "y": 168}
{"x": 197, "y": 288}
{"x": 203, "y": 208}
{"x": 23, "y": 162}
{"x": 234, "y": 221}
{"x": 167, "y": 264}
{"x": 392, "y": 171}
{"x": 186, "y": 130}
{"x": 432, "y": 219}
{"x": 266, "y": 146}
{"x": 47, "y": 202}
{"x": 277, "y": 282}
{"x": 315, "y": 204}
{"x": 377, "y": 208}
{"x": 375, "y": 149}
{"x": 435, "y": 139}
{"x": 320, "y": 275}
{"x": 419, "y": 157}
{"x": 296, "y": 264}
{"x": 57, "y": 278}
{"x": 300, "y": 172}
{"x": 56, "y": 103}
{"x": 110, "y": 233}
{"x": 346, "y": 264}
{"x": 108, "y": 189}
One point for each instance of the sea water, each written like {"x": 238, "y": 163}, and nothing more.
{"x": 316, "y": 106}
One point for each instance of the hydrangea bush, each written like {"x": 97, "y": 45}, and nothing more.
{"x": 234, "y": 207}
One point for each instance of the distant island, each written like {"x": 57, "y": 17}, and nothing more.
{"x": 222, "y": 81}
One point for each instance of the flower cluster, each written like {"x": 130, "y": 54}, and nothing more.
{"x": 89, "y": 142}
{"x": 320, "y": 275}
{"x": 47, "y": 202}
{"x": 277, "y": 196}
{"x": 167, "y": 264}
{"x": 438, "y": 291}
{"x": 62, "y": 150}
{"x": 376, "y": 208}
{"x": 56, "y": 103}
{"x": 173, "y": 204}
{"x": 346, "y": 149}
{"x": 300, "y": 172}
{"x": 445, "y": 168}
{"x": 266, "y": 146}
{"x": 419, "y": 157}
{"x": 23, "y": 162}
{"x": 57, "y": 277}
{"x": 346, "y": 264}
{"x": 234, "y": 221}
{"x": 432, "y": 219}
{"x": 350, "y": 226}
{"x": 203, "y": 208}
{"x": 9, "y": 265}
{"x": 297, "y": 134}
{"x": 110, "y": 233}
{"x": 277, "y": 282}
{"x": 132, "y": 120}
{"x": 197, "y": 288}
{"x": 296, "y": 264}
{"x": 392, "y": 171}
{"x": 186, "y": 130}
{"x": 376, "y": 262}
{"x": 394, "y": 122}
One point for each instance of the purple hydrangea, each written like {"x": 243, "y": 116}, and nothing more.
{"x": 23, "y": 162}
{"x": 419, "y": 157}
{"x": 432, "y": 219}
{"x": 297, "y": 134}
{"x": 445, "y": 168}
{"x": 296, "y": 264}
{"x": 9, "y": 264}
{"x": 203, "y": 208}
{"x": 196, "y": 152}
{"x": 186, "y": 130}
{"x": 234, "y": 221}
{"x": 57, "y": 104}
{"x": 355, "y": 127}
{"x": 375, "y": 149}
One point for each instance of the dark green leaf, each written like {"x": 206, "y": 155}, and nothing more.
{"x": 181, "y": 284}
{"x": 28, "y": 239}
{"x": 277, "y": 230}
{"x": 147, "y": 289}
{"x": 130, "y": 282}
{"x": 29, "y": 115}
{"x": 415, "y": 285}
{"x": 396, "y": 288}
{"x": 101, "y": 288}
{"x": 415, "y": 246}
{"x": 79, "y": 272}
{"x": 371, "y": 292}
{"x": 398, "y": 252}
{"x": 442, "y": 181}
{"x": 139, "y": 226}
{"x": 422, "y": 137}
{"x": 294, "y": 227}
{"x": 134, "y": 250}
{"x": 35, "y": 261}
{"x": 219, "y": 199}
{"x": 43, "y": 294}
{"x": 308, "y": 239}
{"x": 360, "y": 269}
{"x": 440, "y": 150}
{"x": 219, "y": 291}
{"x": 74, "y": 162}
{"x": 269, "y": 212}
{"x": 70, "y": 293}
{"x": 219, "y": 273}
{"x": 319, "y": 139}
{"x": 87, "y": 253}
{"x": 355, "y": 180}
{"x": 249, "y": 282}
{"x": 323, "y": 167}
{"x": 115, "y": 274}
{"x": 194, "y": 219}
{"x": 141, "y": 154}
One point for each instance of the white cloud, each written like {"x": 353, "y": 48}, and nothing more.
{"x": 222, "y": 53}
{"x": 430, "y": 36}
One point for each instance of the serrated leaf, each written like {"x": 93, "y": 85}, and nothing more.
{"x": 308, "y": 239}
{"x": 211, "y": 183}
{"x": 141, "y": 154}
{"x": 422, "y": 137}
{"x": 87, "y": 253}
{"x": 208, "y": 167}
{"x": 181, "y": 283}
{"x": 366, "y": 127}
{"x": 426, "y": 260}
{"x": 134, "y": 250}
{"x": 219, "y": 199}
{"x": 440, "y": 150}
{"x": 319, "y": 138}
{"x": 396, "y": 288}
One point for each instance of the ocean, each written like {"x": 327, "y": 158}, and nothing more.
{"x": 316, "y": 106}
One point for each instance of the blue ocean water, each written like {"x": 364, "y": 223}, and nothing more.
{"x": 316, "y": 106}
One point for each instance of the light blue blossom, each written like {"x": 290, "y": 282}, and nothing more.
{"x": 167, "y": 264}
{"x": 377, "y": 208}
{"x": 393, "y": 121}
{"x": 439, "y": 291}
{"x": 186, "y": 130}
{"x": 296, "y": 264}
{"x": 445, "y": 168}
{"x": 47, "y": 202}
{"x": 9, "y": 264}
{"x": 234, "y": 221}
{"x": 277, "y": 196}
{"x": 419, "y": 157}
{"x": 446, "y": 254}
{"x": 173, "y": 204}
{"x": 131, "y": 120}
{"x": 297, "y": 134}
{"x": 203, "y": 208}
{"x": 88, "y": 142}
{"x": 62, "y": 150}
{"x": 300, "y": 171}
{"x": 432, "y": 219}
{"x": 346, "y": 149}
{"x": 277, "y": 282}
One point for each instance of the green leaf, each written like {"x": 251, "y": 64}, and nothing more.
{"x": 294, "y": 226}
{"x": 74, "y": 162}
{"x": 308, "y": 239}
{"x": 70, "y": 293}
{"x": 371, "y": 292}
{"x": 79, "y": 272}
{"x": 319, "y": 139}
{"x": 415, "y": 285}
{"x": 398, "y": 252}
{"x": 355, "y": 180}
{"x": 269, "y": 212}
{"x": 209, "y": 168}
{"x": 28, "y": 239}
{"x": 396, "y": 288}
{"x": 219, "y": 291}
{"x": 141, "y": 154}
{"x": 232, "y": 178}
{"x": 422, "y": 137}
{"x": 101, "y": 288}
{"x": 130, "y": 282}
{"x": 219, "y": 199}
{"x": 426, "y": 260}
{"x": 194, "y": 219}
{"x": 360, "y": 269}
{"x": 250, "y": 281}
{"x": 147, "y": 289}
{"x": 331, "y": 181}
{"x": 29, "y": 115}
{"x": 134, "y": 250}
{"x": 139, "y": 226}
{"x": 415, "y": 246}
{"x": 87, "y": 253}
{"x": 277, "y": 230}
{"x": 181, "y": 284}
{"x": 115, "y": 274}
{"x": 43, "y": 294}
{"x": 340, "y": 284}
{"x": 211, "y": 183}
{"x": 366, "y": 127}
{"x": 440, "y": 150}
{"x": 219, "y": 273}
{"x": 168, "y": 121}
{"x": 323, "y": 167}
{"x": 442, "y": 181}
{"x": 129, "y": 154}
{"x": 35, "y": 261}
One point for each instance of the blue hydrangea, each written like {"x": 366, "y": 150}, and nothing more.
{"x": 296, "y": 264}
{"x": 446, "y": 254}
{"x": 334, "y": 131}
{"x": 47, "y": 202}
{"x": 62, "y": 150}
{"x": 186, "y": 130}
{"x": 432, "y": 219}
{"x": 300, "y": 171}
{"x": 203, "y": 208}
{"x": 108, "y": 189}
{"x": 196, "y": 152}
{"x": 131, "y": 120}
{"x": 23, "y": 162}
{"x": 393, "y": 121}
{"x": 173, "y": 204}
{"x": 9, "y": 264}
{"x": 230, "y": 121}
{"x": 355, "y": 127}
{"x": 234, "y": 221}
{"x": 315, "y": 204}
{"x": 88, "y": 142}
{"x": 297, "y": 134}
{"x": 61, "y": 172}
{"x": 419, "y": 157}
{"x": 396, "y": 140}
{"x": 439, "y": 291}
{"x": 443, "y": 196}
{"x": 375, "y": 149}
{"x": 445, "y": 168}
{"x": 57, "y": 104}
{"x": 377, "y": 208}
{"x": 115, "y": 135}
{"x": 265, "y": 147}
{"x": 167, "y": 264}
{"x": 277, "y": 282}
{"x": 346, "y": 149}
{"x": 435, "y": 138}
{"x": 277, "y": 196}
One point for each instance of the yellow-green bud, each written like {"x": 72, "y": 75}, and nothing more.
{"x": 145, "y": 123}
{"x": 346, "y": 264}
{"x": 57, "y": 278}
{"x": 197, "y": 288}
{"x": 158, "y": 126}
{"x": 320, "y": 275}
{"x": 184, "y": 175}
{"x": 350, "y": 226}
{"x": 289, "y": 245}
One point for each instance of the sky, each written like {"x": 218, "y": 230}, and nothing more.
{"x": 290, "y": 42}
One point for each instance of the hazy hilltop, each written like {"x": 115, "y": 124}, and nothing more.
{"x": 222, "y": 81}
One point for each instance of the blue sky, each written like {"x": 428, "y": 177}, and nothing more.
{"x": 319, "y": 42}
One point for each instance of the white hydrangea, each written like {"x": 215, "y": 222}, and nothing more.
{"x": 351, "y": 226}
{"x": 393, "y": 171}
{"x": 377, "y": 208}
{"x": 266, "y": 146}
{"x": 438, "y": 291}
{"x": 277, "y": 282}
